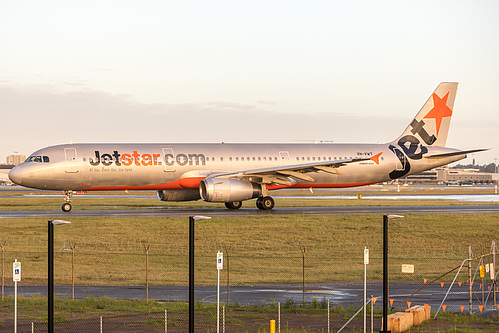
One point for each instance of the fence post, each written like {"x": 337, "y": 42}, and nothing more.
{"x": 372, "y": 314}
{"x": 72, "y": 246}
{"x": 100, "y": 324}
{"x": 328, "y": 323}
{"x": 146, "y": 248}
{"x": 494, "y": 282}
{"x": 3, "y": 265}
{"x": 166, "y": 321}
{"x": 223, "y": 318}
{"x": 470, "y": 284}
{"x": 279, "y": 317}
{"x": 227, "y": 250}
{"x": 303, "y": 249}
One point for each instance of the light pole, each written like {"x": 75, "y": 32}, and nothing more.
{"x": 191, "y": 268}
{"x": 385, "y": 270}
{"x": 51, "y": 224}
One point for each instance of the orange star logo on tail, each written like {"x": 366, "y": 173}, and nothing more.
{"x": 440, "y": 110}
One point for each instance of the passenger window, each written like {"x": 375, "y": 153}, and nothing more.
{"x": 46, "y": 159}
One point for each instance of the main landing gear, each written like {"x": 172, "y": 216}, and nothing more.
{"x": 263, "y": 203}
{"x": 234, "y": 204}
{"x": 66, "y": 207}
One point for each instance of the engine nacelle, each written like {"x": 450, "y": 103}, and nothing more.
{"x": 178, "y": 195}
{"x": 228, "y": 190}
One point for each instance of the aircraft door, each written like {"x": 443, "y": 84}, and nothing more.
{"x": 284, "y": 156}
{"x": 71, "y": 160}
{"x": 169, "y": 159}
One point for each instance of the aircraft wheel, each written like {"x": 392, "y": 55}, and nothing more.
{"x": 66, "y": 207}
{"x": 265, "y": 203}
{"x": 259, "y": 203}
{"x": 234, "y": 204}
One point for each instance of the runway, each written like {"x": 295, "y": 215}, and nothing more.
{"x": 222, "y": 212}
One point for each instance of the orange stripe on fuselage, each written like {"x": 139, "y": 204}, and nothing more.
{"x": 184, "y": 183}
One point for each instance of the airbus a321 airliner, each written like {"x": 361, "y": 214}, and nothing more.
{"x": 232, "y": 173}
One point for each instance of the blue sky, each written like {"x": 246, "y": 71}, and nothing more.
{"x": 243, "y": 71}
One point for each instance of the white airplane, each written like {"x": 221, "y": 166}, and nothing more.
{"x": 232, "y": 173}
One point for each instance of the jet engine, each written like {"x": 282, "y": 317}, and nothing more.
{"x": 228, "y": 190}
{"x": 178, "y": 195}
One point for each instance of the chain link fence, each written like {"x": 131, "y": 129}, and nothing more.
{"x": 309, "y": 271}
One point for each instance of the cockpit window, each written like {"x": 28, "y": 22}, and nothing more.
{"x": 39, "y": 159}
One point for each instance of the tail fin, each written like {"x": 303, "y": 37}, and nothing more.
{"x": 431, "y": 124}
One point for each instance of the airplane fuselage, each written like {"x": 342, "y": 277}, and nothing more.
{"x": 94, "y": 167}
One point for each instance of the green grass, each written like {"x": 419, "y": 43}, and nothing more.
{"x": 264, "y": 249}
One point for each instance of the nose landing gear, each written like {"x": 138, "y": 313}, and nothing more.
{"x": 66, "y": 207}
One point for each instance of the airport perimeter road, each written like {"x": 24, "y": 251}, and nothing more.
{"x": 344, "y": 294}
{"x": 222, "y": 212}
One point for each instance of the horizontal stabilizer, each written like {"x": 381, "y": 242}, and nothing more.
{"x": 456, "y": 153}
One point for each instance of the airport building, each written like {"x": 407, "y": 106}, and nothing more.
{"x": 15, "y": 159}
{"x": 4, "y": 172}
{"x": 452, "y": 177}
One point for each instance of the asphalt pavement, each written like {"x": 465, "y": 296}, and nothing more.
{"x": 222, "y": 212}
{"x": 346, "y": 294}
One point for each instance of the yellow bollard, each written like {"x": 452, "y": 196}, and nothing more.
{"x": 272, "y": 326}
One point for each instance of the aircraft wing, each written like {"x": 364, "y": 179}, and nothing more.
{"x": 281, "y": 174}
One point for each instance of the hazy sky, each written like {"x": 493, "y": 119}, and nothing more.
{"x": 243, "y": 71}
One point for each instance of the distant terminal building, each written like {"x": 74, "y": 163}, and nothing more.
{"x": 452, "y": 177}
{"x": 4, "y": 171}
{"x": 15, "y": 159}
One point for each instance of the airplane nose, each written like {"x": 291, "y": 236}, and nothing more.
{"x": 16, "y": 175}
